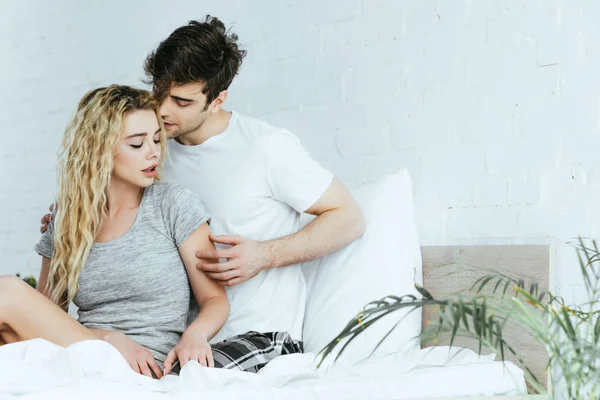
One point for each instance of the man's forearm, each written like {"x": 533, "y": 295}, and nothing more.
{"x": 328, "y": 232}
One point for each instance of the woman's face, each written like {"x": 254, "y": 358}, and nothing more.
{"x": 138, "y": 153}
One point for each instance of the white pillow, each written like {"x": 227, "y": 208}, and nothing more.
{"x": 386, "y": 260}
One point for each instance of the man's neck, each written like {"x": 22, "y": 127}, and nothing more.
{"x": 213, "y": 126}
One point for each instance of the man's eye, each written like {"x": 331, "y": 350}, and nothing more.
{"x": 183, "y": 104}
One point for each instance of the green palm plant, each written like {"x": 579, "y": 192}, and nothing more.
{"x": 571, "y": 335}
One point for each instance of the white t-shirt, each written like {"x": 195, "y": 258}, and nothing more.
{"x": 254, "y": 181}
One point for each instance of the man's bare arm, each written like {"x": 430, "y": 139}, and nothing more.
{"x": 339, "y": 221}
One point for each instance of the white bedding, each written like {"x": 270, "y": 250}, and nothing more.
{"x": 37, "y": 369}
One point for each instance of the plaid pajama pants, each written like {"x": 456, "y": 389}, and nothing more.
{"x": 253, "y": 350}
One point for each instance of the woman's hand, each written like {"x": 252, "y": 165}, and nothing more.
{"x": 139, "y": 358}
{"x": 192, "y": 346}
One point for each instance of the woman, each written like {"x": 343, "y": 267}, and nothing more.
{"x": 119, "y": 245}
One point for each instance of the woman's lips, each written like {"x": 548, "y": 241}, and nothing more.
{"x": 150, "y": 174}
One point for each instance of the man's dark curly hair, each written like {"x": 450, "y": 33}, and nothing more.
{"x": 202, "y": 52}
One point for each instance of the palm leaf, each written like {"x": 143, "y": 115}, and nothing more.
{"x": 426, "y": 295}
{"x": 483, "y": 317}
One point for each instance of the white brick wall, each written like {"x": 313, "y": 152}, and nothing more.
{"x": 494, "y": 106}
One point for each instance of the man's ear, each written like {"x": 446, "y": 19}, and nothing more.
{"x": 218, "y": 102}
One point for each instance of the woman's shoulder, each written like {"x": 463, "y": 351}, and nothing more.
{"x": 165, "y": 189}
{"x": 180, "y": 208}
{"x": 169, "y": 194}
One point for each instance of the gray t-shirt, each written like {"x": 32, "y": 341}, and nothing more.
{"x": 137, "y": 284}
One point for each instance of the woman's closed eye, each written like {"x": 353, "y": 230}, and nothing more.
{"x": 139, "y": 146}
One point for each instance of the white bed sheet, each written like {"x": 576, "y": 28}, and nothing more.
{"x": 91, "y": 370}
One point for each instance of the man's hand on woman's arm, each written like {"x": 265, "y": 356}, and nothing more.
{"x": 339, "y": 221}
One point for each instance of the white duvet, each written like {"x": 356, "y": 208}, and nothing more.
{"x": 37, "y": 369}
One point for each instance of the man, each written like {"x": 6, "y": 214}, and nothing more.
{"x": 255, "y": 180}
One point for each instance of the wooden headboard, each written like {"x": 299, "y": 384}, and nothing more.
{"x": 450, "y": 269}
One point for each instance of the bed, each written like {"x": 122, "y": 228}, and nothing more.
{"x": 387, "y": 260}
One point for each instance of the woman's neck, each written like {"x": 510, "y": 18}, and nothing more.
{"x": 123, "y": 195}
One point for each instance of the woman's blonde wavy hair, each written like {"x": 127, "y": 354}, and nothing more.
{"x": 85, "y": 166}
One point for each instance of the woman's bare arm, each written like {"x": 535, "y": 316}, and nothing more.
{"x": 211, "y": 297}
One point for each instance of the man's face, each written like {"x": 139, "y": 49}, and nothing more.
{"x": 184, "y": 109}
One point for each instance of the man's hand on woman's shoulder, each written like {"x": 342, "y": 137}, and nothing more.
{"x": 46, "y": 219}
